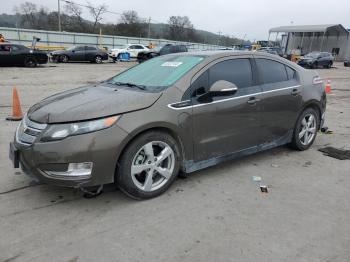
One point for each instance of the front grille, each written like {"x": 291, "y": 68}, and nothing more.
{"x": 28, "y": 131}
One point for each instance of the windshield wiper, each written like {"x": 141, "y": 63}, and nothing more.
{"x": 130, "y": 85}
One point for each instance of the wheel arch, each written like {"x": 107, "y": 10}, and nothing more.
{"x": 314, "y": 104}
{"x": 168, "y": 129}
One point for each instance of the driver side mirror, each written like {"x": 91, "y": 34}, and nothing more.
{"x": 219, "y": 88}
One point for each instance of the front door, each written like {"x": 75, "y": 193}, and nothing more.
{"x": 78, "y": 54}
{"x": 6, "y": 58}
{"x": 228, "y": 124}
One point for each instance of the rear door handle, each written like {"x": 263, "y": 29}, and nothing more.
{"x": 295, "y": 92}
{"x": 253, "y": 100}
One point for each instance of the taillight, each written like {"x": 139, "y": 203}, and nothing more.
{"x": 317, "y": 80}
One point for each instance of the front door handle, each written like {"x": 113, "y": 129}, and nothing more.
{"x": 253, "y": 100}
{"x": 295, "y": 92}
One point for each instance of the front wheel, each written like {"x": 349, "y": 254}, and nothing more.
{"x": 148, "y": 166}
{"x": 305, "y": 130}
{"x": 98, "y": 59}
{"x": 64, "y": 59}
{"x": 30, "y": 62}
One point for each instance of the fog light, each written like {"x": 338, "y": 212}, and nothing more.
{"x": 75, "y": 170}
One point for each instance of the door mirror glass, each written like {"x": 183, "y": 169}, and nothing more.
{"x": 223, "y": 87}
{"x": 219, "y": 88}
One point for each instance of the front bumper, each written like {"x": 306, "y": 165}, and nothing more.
{"x": 102, "y": 148}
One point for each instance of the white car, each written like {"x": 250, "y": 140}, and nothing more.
{"x": 132, "y": 49}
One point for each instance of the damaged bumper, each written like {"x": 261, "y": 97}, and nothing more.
{"x": 77, "y": 161}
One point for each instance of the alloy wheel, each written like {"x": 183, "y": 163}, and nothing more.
{"x": 98, "y": 60}
{"x": 152, "y": 166}
{"x": 308, "y": 129}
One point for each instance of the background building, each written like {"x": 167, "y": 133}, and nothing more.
{"x": 333, "y": 38}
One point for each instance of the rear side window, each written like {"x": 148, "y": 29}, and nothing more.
{"x": 91, "y": 48}
{"x": 271, "y": 71}
{"x": 291, "y": 73}
{"x": 237, "y": 71}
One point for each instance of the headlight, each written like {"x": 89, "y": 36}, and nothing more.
{"x": 61, "y": 131}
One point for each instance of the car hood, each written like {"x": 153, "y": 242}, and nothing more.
{"x": 90, "y": 102}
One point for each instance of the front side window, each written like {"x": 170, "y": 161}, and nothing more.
{"x": 79, "y": 48}
{"x": 271, "y": 71}
{"x": 292, "y": 74}
{"x": 91, "y": 48}
{"x": 5, "y": 48}
{"x": 236, "y": 71}
{"x": 158, "y": 73}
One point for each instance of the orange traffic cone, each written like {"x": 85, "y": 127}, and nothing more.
{"x": 328, "y": 87}
{"x": 17, "y": 114}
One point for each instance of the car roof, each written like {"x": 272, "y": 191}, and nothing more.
{"x": 217, "y": 54}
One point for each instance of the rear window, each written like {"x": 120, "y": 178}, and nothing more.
{"x": 159, "y": 73}
{"x": 271, "y": 71}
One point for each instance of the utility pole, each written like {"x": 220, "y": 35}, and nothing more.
{"x": 149, "y": 28}
{"x": 219, "y": 38}
{"x": 59, "y": 16}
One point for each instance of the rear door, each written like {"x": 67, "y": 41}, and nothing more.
{"x": 229, "y": 123}
{"x": 281, "y": 99}
{"x": 90, "y": 53}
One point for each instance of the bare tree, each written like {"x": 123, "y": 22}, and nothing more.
{"x": 97, "y": 13}
{"x": 76, "y": 11}
{"x": 29, "y": 11}
{"x": 130, "y": 17}
{"x": 180, "y": 28}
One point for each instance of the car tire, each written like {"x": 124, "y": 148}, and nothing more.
{"x": 305, "y": 130}
{"x": 314, "y": 65}
{"x": 30, "y": 62}
{"x": 137, "y": 173}
{"x": 63, "y": 59}
{"x": 98, "y": 59}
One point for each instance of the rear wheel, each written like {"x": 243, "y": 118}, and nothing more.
{"x": 30, "y": 62}
{"x": 148, "y": 166}
{"x": 305, "y": 130}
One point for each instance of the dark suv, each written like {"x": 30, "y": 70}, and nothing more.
{"x": 161, "y": 50}
{"x": 80, "y": 54}
{"x": 316, "y": 59}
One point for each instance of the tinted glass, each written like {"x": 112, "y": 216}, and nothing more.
{"x": 138, "y": 47}
{"x": 165, "y": 50}
{"x": 158, "y": 73}
{"x": 237, "y": 71}
{"x": 183, "y": 48}
{"x": 271, "y": 71}
{"x": 79, "y": 48}
{"x": 90, "y": 48}
{"x": 5, "y": 48}
{"x": 291, "y": 73}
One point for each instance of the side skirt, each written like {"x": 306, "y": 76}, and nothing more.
{"x": 192, "y": 166}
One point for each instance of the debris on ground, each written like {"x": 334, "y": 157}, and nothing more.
{"x": 264, "y": 189}
{"x": 326, "y": 130}
{"x": 274, "y": 166}
{"x": 307, "y": 164}
{"x": 336, "y": 153}
{"x": 257, "y": 178}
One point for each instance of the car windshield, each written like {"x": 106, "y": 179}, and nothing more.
{"x": 158, "y": 73}
{"x": 313, "y": 55}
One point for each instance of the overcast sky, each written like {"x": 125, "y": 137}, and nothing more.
{"x": 239, "y": 18}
